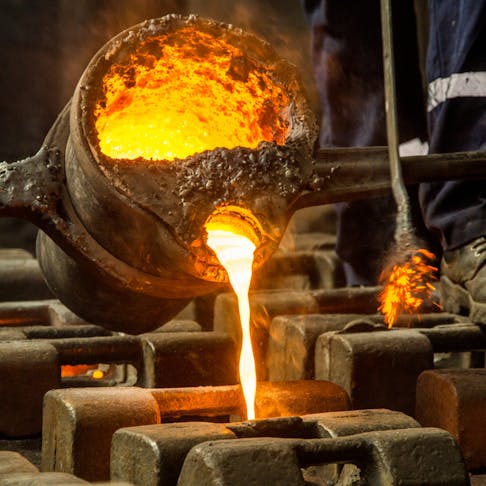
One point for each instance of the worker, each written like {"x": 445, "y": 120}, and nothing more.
{"x": 347, "y": 56}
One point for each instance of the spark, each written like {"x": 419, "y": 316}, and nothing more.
{"x": 407, "y": 285}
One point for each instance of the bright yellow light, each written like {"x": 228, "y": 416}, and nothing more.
{"x": 185, "y": 92}
{"x": 235, "y": 253}
{"x": 97, "y": 374}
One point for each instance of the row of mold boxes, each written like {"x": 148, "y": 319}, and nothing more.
{"x": 400, "y": 406}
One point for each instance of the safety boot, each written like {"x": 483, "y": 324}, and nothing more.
{"x": 463, "y": 280}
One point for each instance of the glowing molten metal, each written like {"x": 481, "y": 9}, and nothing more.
{"x": 186, "y": 92}
{"x": 407, "y": 286}
{"x": 235, "y": 253}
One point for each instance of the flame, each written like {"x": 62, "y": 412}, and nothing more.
{"x": 407, "y": 286}
{"x": 235, "y": 253}
{"x": 186, "y": 92}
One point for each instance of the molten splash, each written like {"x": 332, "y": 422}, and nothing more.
{"x": 186, "y": 92}
{"x": 235, "y": 253}
{"x": 407, "y": 286}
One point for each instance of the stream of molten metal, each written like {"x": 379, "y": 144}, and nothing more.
{"x": 235, "y": 253}
{"x": 407, "y": 286}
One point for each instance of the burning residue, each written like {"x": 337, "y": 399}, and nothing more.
{"x": 407, "y": 285}
{"x": 235, "y": 253}
{"x": 185, "y": 92}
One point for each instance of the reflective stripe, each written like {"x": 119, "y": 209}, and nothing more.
{"x": 415, "y": 146}
{"x": 455, "y": 86}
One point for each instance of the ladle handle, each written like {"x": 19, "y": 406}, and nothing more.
{"x": 347, "y": 174}
{"x": 31, "y": 188}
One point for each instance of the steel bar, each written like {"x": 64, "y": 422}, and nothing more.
{"x": 403, "y": 230}
{"x": 199, "y": 401}
{"x": 456, "y": 338}
{"x": 346, "y": 174}
{"x": 99, "y": 349}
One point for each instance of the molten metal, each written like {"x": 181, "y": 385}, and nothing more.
{"x": 185, "y": 92}
{"x": 407, "y": 286}
{"x": 235, "y": 253}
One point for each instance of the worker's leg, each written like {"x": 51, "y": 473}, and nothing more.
{"x": 348, "y": 67}
{"x": 456, "y": 211}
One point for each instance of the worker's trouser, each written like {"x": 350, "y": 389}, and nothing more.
{"x": 349, "y": 74}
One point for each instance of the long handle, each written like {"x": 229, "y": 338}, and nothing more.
{"x": 403, "y": 230}
{"x": 347, "y": 174}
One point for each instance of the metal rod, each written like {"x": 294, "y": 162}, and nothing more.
{"x": 347, "y": 174}
{"x": 456, "y": 338}
{"x": 403, "y": 217}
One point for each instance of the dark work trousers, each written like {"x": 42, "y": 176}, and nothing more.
{"x": 456, "y": 73}
{"x": 347, "y": 54}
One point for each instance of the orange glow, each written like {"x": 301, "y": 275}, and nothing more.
{"x": 76, "y": 370}
{"x": 186, "y": 92}
{"x": 407, "y": 286}
{"x": 235, "y": 253}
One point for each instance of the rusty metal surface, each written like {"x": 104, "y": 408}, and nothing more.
{"x": 377, "y": 368}
{"x": 53, "y": 332}
{"x": 208, "y": 401}
{"x": 455, "y": 400}
{"x": 458, "y": 337}
{"x": 385, "y": 457}
{"x": 265, "y": 305}
{"x": 285, "y": 399}
{"x": 292, "y": 338}
{"x": 309, "y": 269}
{"x": 37, "y": 312}
{"x": 170, "y": 359}
{"x": 27, "y": 371}
{"x": 154, "y": 454}
{"x": 78, "y": 425}
{"x": 177, "y": 359}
